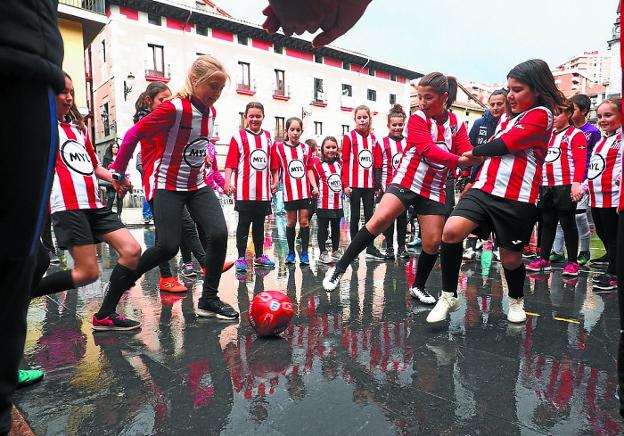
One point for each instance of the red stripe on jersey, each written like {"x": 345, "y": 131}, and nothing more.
{"x": 360, "y": 154}
{"x": 566, "y": 151}
{"x": 392, "y": 152}
{"x": 258, "y": 141}
{"x": 67, "y": 184}
{"x": 246, "y": 166}
{"x": 604, "y": 170}
{"x": 182, "y": 139}
{"x": 293, "y": 163}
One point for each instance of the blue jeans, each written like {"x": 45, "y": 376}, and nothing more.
{"x": 147, "y": 211}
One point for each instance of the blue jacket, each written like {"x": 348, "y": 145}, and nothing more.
{"x": 483, "y": 129}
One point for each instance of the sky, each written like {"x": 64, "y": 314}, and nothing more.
{"x": 475, "y": 40}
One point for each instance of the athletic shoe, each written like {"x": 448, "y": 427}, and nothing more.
{"x": 478, "y": 244}
{"x": 516, "y": 311}
{"x": 403, "y": 253}
{"x": 557, "y": 258}
{"x": 188, "y": 270}
{"x": 446, "y": 303}
{"x": 332, "y": 279}
{"x": 469, "y": 254}
{"x": 171, "y": 284}
{"x": 114, "y": 322}
{"x": 608, "y": 283}
{"x": 290, "y": 258}
{"x": 227, "y": 265}
{"x": 216, "y": 309}
{"x": 241, "y": 264}
{"x": 336, "y": 255}
{"x": 304, "y": 259}
{"x": 422, "y": 295}
{"x": 389, "y": 254}
{"x": 325, "y": 258}
{"x": 528, "y": 253}
{"x": 496, "y": 255}
{"x": 54, "y": 259}
{"x": 539, "y": 264}
{"x": 599, "y": 277}
{"x": 583, "y": 258}
{"x": 416, "y": 242}
{"x": 602, "y": 260}
{"x": 27, "y": 377}
{"x": 264, "y": 261}
{"x": 571, "y": 269}
{"x": 374, "y": 253}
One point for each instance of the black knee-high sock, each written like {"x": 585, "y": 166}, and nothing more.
{"x": 472, "y": 242}
{"x": 121, "y": 279}
{"x": 362, "y": 239}
{"x": 57, "y": 282}
{"x": 305, "y": 238}
{"x": 515, "y": 281}
{"x": 290, "y": 237}
{"x": 425, "y": 264}
{"x": 450, "y": 260}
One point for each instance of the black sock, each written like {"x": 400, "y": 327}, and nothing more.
{"x": 515, "y": 281}
{"x": 305, "y": 238}
{"x": 425, "y": 264}
{"x": 53, "y": 283}
{"x": 121, "y": 279}
{"x": 472, "y": 243}
{"x": 362, "y": 239}
{"x": 290, "y": 237}
{"x": 450, "y": 260}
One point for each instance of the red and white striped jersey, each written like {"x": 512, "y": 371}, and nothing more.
{"x": 75, "y": 185}
{"x": 621, "y": 206}
{"x": 432, "y": 153}
{"x": 360, "y": 154}
{"x": 605, "y": 166}
{"x": 293, "y": 164}
{"x": 391, "y": 153}
{"x": 328, "y": 177}
{"x": 250, "y": 156}
{"x": 518, "y": 174}
{"x": 566, "y": 158}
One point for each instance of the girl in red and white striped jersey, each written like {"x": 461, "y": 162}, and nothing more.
{"x": 361, "y": 172}
{"x": 504, "y": 196}
{"x": 293, "y": 159}
{"x": 249, "y": 157}
{"x": 392, "y": 148}
{"x": 81, "y": 220}
{"x": 604, "y": 182}
{"x": 435, "y": 140}
{"x": 563, "y": 173}
{"x": 325, "y": 177}
{"x": 179, "y": 132}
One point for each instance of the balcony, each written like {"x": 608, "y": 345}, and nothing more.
{"x": 96, "y": 6}
{"x": 245, "y": 89}
{"x": 347, "y": 103}
{"x": 281, "y": 94}
{"x": 89, "y": 13}
{"x": 319, "y": 99}
{"x": 158, "y": 75}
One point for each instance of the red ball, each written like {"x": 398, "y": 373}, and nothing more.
{"x": 270, "y": 313}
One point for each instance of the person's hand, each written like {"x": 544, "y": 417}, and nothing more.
{"x": 618, "y": 180}
{"x": 467, "y": 159}
{"x": 315, "y": 192}
{"x": 274, "y": 188}
{"x": 348, "y": 191}
{"x": 577, "y": 192}
{"x": 229, "y": 189}
{"x": 122, "y": 187}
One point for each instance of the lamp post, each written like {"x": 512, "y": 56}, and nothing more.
{"x": 128, "y": 82}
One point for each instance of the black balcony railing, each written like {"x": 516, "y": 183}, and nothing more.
{"x": 96, "y": 6}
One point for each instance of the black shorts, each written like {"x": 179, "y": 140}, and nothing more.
{"x": 557, "y": 197}
{"x": 84, "y": 226}
{"x": 330, "y": 213}
{"x": 297, "y": 204}
{"x": 255, "y": 207}
{"x": 511, "y": 221}
{"x": 422, "y": 205}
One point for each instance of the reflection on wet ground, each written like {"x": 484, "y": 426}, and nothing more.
{"x": 361, "y": 360}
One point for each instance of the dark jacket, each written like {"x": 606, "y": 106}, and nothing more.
{"x": 483, "y": 129}
{"x": 31, "y": 46}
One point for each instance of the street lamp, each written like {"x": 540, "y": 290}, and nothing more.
{"x": 128, "y": 85}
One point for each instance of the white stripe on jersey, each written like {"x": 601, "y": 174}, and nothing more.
{"x": 254, "y": 166}
{"x": 605, "y": 167}
{"x": 391, "y": 154}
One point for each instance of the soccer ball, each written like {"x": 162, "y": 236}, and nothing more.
{"x": 270, "y": 313}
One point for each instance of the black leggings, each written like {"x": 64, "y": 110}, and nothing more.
{"x": 550, "y": 218}
{"x": 401, "y": 224}
{"x": 620, "y": 270}
{"x": 606, "y": 221}
{"x": 256, "y": 221}
{"x": 367, "y": 195}
{"x": 205, "y": 209}
{"x": 191, "y": 240}
{"x": 111, "y": 195}
{"x": 323, "y": 225}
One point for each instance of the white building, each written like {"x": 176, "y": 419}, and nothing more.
{"x": 594, "y": 65}
{"x": 158, "y": 40}
{"x": 615, "y": 73}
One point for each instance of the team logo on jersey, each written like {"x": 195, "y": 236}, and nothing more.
{"x": 596, "y": 167}
{"x": 76, "y": 158}
{"x": 258, "y": 159}
{"x": 335, "y": 183}
{"x": 296, "y": 169}
{"x": 442, "y": 145}
{"x": 274, "y": 305}
{"x": 396, "y": 160}
{"x": 195, "y": 152}
{"x": 553, "y": 154}
{"x": 365, "y": 158}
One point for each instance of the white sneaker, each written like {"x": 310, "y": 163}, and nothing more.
{"x": 447, "y": 303}
{"x": 336, "y": 255}
{"x": 479, "y": 245}
{"x": 496, "y": 255}
{"x": 516, "y": 311}
{"x": 422, "y": 295}
{"x": 325, "y": 258}
{"x": 469, "y": 254}
{"x": 332, "y": 279}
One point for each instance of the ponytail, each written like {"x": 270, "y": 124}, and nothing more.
{"x": 441, "y": 84}
{"x": 141, "y": 106}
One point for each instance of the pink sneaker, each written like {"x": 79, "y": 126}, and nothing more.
{"x": 571, "y": 269}
{"x": 538, "y": 264}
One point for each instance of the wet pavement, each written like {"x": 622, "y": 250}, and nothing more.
{"x": 359, "y": 360}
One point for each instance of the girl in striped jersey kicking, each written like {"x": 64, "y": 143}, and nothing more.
{"x": 436, "y": 138}
{"x": 504, "y": 196}
{"x": 292, "y": 159}
{"x": 249, "y": 157}
{"x": 327, "y": 186}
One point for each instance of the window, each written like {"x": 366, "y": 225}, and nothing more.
{"x": 244, "y": 80}
{"x": 319, "y": 94}
{"x": 241, "y": 124}
{"x": 371, "y": 95}
{"x": 346, "y": 65}
{"x": 201, "y": 30}
{"x": 198, "y": 53}
{"x": 393, "y": 77}
{"x": 347, "y": 90}
{"x": 279, "y": 128}
{"x": 243, "y": 40}
{"x": 345, "y": 129}
{"x": 154, "y": 19}
{"x": 158, "y": 60}
{"x": 371, "y": 71}
{"x": 280, "y": 83}
{"x": 392, "y": 98}
{"x": 278, "y": 49}
{"x": 103, "y": 50}
{"x": 318, "y": 128}
{"x": 318, "y": 58}
{"x": 106, "y": 119}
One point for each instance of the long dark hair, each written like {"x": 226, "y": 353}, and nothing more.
{"x": 141, "y": 106}
{"x": 74, "y": 115}
{"x": 537, "y": 74}
{"x": 329, "y": 138}
{"x": 441, "y": 84}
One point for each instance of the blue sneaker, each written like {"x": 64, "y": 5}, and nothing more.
{"x": 264, "y": 261}
{"x": 304, "y": 259}
{"x": 290, "y": 258}
{"x": 241, "y": 264}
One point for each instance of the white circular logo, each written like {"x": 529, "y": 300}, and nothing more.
{"x": 335, "y": 183}
{"x": 296, "y": 169}
{"x": 443, "y": 146}
{"x": 258, "y": 159}
{"x": 195, "y": 152}
{"x": 365, "y": 158}
{"x": 596, "y": 167}
{"x": 76, "y": 158}
{"x": 396, "y": 160}
{"x": 274, "y": 305}
{"x": 553, "y": 154}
